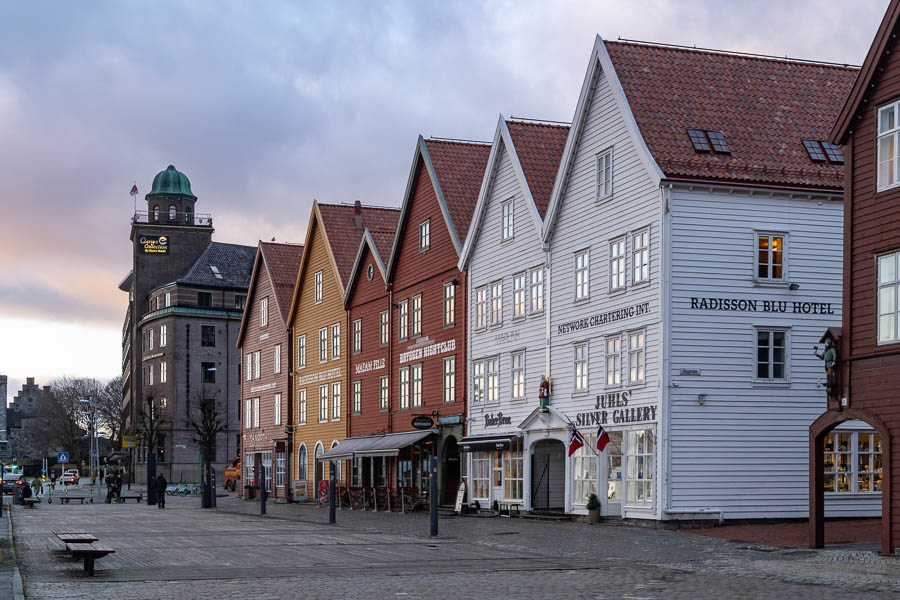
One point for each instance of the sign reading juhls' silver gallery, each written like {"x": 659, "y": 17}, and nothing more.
{"x": 613, "y": 408}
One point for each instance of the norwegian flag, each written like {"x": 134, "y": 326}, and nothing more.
{"x": 134, "y": 190}
{"x": 576, "y": 441}
{"x": 602, "y": 438}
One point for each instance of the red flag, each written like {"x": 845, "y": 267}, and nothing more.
{"x": 576, "y": 441}
{"x": 602, "y": 438}
{"x": 134, "y": 190}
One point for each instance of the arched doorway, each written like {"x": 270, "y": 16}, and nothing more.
{"x": 319, "y": 467}
{"x": 451, "y": 469}
{"x": 548, "y": 475}
{"x": 819, "y": 431}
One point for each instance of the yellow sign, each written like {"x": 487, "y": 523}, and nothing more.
{"x": 154, "y": 244}
{"x": 128, "y": 441}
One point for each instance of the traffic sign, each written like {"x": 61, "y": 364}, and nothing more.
{"x": 62, "y": 457}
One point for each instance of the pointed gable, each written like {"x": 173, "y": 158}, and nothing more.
{"x": 459, "y": 167}
{"x": 344, "y": 230}
{"x": 539, "y": 147}
{"x": 282, "y": 263}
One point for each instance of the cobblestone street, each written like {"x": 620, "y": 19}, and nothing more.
{"x": 232, "y": 552}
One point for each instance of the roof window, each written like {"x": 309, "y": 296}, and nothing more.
{"x": 215, "y": 271}
{"x": 705, "y": 140}
{"x": 821, "y": 151}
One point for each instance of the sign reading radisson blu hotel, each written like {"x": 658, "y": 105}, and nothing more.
{"x": 154, "y": 244}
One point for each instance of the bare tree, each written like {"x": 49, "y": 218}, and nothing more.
{"x": 109, "y": 410}
{"x": 152, "y": 419}
{"x": 67, "y": 418}
{"x": 206, "y": 422}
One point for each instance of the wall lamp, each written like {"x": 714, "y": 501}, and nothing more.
{"x": 794, "y": 287}
{"x": 701, "y": 399}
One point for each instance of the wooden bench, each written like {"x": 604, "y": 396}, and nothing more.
{"x": 88, "y": 552}
{"x": 30, "y": 502}
{"x": 75, "y": 537}
{"x": 66, "y": 499}
{"x": 138, "y": 497}
{"x": 508, "y": 507}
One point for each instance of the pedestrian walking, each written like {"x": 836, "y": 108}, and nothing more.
{"x": 161, "y": 484}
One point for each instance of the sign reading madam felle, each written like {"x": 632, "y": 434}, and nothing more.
{"x": 154, "y": 244}
{"x": 613, "y": 408}
{"x": 769, "y": 306}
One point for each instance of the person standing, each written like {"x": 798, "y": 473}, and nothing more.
{"x": 161, "y": 484}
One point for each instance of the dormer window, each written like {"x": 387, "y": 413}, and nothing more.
{"x": 705, "y": 140}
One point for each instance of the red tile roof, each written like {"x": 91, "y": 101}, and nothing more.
{"x": 344, "y": 234}
{"x": 283, "y": 262}
{"x": 764, "y": 107}
{"x": 459, "y": 167}
{"x": 539, "y": 147}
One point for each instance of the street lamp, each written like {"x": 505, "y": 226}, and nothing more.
{"x": 93, "y": 441}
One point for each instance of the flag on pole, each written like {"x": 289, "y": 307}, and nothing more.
{"x": 134, "y": 190}
{"x": 576, "y": 441}
{"x": 602, "y": 438}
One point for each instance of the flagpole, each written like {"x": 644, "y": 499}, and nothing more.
{"x": 571, "y": 424}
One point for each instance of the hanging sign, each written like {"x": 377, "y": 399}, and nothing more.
{"x": 423, "y": 422}
{"x": 154, "y": 244}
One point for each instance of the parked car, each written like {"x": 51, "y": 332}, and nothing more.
{"x": 70, "y": 476}
{"x": 11, "y": 481}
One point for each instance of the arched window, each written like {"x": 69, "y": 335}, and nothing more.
{"x": 319, "y": 468}
{"x": 156, "y": 213}
{"x": 302, "y": 463}
{"x": 189, "y": 215}
{"x": 337, "y": 472}
{"x": 173, "y": 212}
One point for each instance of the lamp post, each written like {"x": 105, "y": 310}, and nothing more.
{"x": 93, "y": 442}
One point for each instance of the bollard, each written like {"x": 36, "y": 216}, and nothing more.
{"x": 433, "y": 493}
{"x": 262, "y": 497}
{"x": 331, "y": 512}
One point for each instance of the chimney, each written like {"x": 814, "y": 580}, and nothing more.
{"x": 357, "y": 214}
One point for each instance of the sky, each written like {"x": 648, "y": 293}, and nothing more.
{"x": 267, "y": 106}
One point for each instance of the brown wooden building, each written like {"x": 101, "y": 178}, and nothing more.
{"x": 867, "y": 385}
{"x": 265, "y": 348}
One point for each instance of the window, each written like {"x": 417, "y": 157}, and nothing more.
{"x": 604, "y": 175}
{"x": 207, "y": 335}
{"x": 417, "y": 315}
{"x": 617, "y": 264}
{"x": 518, "y": 375}
{"x": 498, "y": 469}
{"x": 323, "y": 345}
{"x": 383, "y": 392}
{"x": 264, "y": 312}
{"x": 582, "y": 275}
{"x": 513, "y": 470}
{"x": 481, "y": 308}
{"x": 172, "y": 212}
{"x": 318, "y": 292}
{"x": 403, "y": 320}
{"x": 256, "y": 371}
{"x": 168, "y": 298}
{"x": 613, "y": 361}
{"x": 248, "y": 375}
{"x": 584, "y": 469}
{"x": 704, "y": 140}
{"x": 256, "y": 412}
{"x": 277, "y": 358}
{"x": 204, "y": 299}
{"x": 770, "y": 256}
{"x": 404, "y": 388}
{"x": 150, "y": 374}
{"x": 357, "y": 336}
{"x": 771, "y": 354}
{"x": 508, "y": 220}
{"x": 640, "y": 257}
{"x": 888, "y": 139}
{"x": 162, "y": 372}
{"x": 302, "y": 463}
{"x": 537, "y": 290}
{"x": 207, "y": 372}
{"x": 150, "y": 339}
{"x": 834, "y": 153}
{"x": 248, "y": 413}
{"x": 815, "y": 151}
{"x": 336, "y": 401}
{"x": 279, "y": 469}
{"x": 888, "y": 289}
{"x": 239, "y": 300}
{"x": 449, "y": 304}
{"x": 301, "y": 351}
{"x": 450, "y": 380}
{"x": 323, "y": 403}
{"x": 156, "y": 213}
{"x": 335, "y": 341}
{"x": 384, "y": 328}
{"x": 519, "y": 292}
{"x": 301, "y": 406}
{"x": 497, "y": 303}
{"x": 370, "y": 272}
{"x": 357, "y": 397}
{"x": 163, "y": 337}
{"x": 492, "y": 377}
{"x": 267, "y": 470}
{"x": 417, "y": 385}
{"x": 581, "y": 367}
{"x": 478, "y": 381}
{"x": 640, "y": 467}
{"x": 636, "y": 357}
{"x": 424, "y": 235}
{"x": 481, "y": 474}
{"x": 277, "y": 410}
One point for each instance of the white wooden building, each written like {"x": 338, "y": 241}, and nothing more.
{"x": 692, "y": 251}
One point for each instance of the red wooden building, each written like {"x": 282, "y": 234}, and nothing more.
{"x": 867, "y": 375}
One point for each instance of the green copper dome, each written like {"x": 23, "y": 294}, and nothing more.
{"x": 171, "y": 182}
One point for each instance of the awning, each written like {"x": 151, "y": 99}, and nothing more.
{"x": 484, "y": 443}
{"x": 375, "y": 445}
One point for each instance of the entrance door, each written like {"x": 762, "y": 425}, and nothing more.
{"x": 451, "y": 469}
{"x": 548, "y": 475}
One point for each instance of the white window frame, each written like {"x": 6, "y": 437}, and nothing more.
{"x": 496, "y": 302}
{"x": 150, "y": 347}
{"x": 581, "y": 364}
{"x": 416, "y": 377}
{"x": 357, "y": 336}
{"x": 276, "y": 409}
{"x": 302, "y": 462}
{"x": 891, "y": 135}
{"x": 256, "y": 365}
{"x": 384, "y": 331}
{"x": 318, "y": 288}
{"x": 417, "y": 315}
{"x": 323, "y": 345}
{"x": 162, "y": 372}
{"x": 357, "y": 397}
{"x": 424, "y": 235}
{"x": 301, "y": 406}
{"x": 637, "y": 356}
{"x": 449, "y": 304}
{"x": 384, "y": 392}
{"x": 323, "y": 403}
{"x": 771, "y": 331}
{"x": 403, "y": 388}
{"x": 517, "y": 374}
{"x": 492, "y": 379}
{"x": 264, "y": 312}
{"x": 640, "y": 468}
{"x": 613, "y": 354}
{"x": 507, "y": 212}
{"x": 537, "y": 290}
{"x": 481, "y": 475}
{"x": 449, "y": 371}
{"x": 403, "y": 320}
{"x": 256, "y": 412}
{"x": 604, "y": 174}
{"x": 248, "y": 370}
{"x": 276, "y": 358}
{"x": 168, "y": 298}
{"x": 336, "y": 341}
{"x": 301, "y": 351}
{"x": 585, "y": 471}
{"x": 887, "y": 269}
{"x": 336, "y": 401}
{"x": 640, "y": 256}
{"x": 163, "y": 336}
{"x": 617, "y": 268}
{"x": 478, "y": 382}
{"x": 854, "y": 455}
{"x": 481, "y": 315}
{"x": 770, "y": 253}
{"x": 248, "y": 413}
{"x": 582, "y": 275}
{"x": 520, "y": 300}
{"x": 514, "y": 470}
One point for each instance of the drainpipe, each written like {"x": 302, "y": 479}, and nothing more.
{"x": 289, "y": 421}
